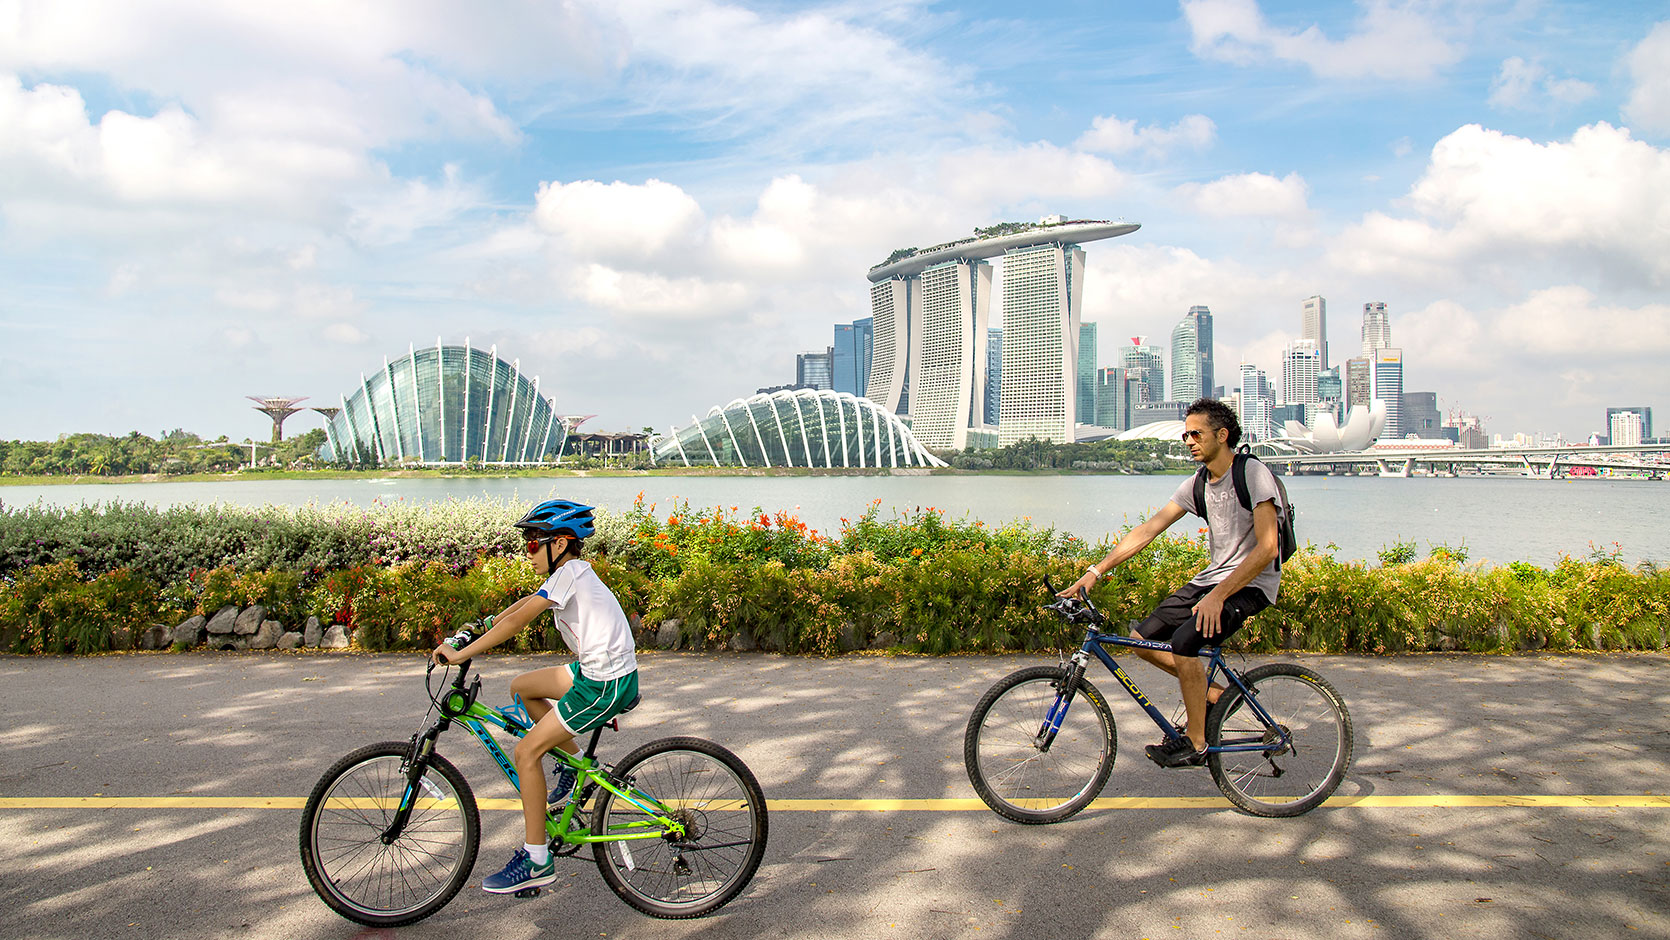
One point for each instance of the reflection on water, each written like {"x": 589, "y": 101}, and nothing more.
{"x": 1498, "y": 519}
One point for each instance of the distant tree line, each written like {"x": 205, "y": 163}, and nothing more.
{"x": 1147, "y": 456}
{"x": 177, "y": 452}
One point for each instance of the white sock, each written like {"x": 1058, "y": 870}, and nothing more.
{"x": 538, "y": 854}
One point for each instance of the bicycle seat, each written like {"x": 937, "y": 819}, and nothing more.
{"x": 632, "y": 704}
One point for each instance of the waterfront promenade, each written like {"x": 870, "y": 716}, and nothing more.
{"x": 158, "y": 796}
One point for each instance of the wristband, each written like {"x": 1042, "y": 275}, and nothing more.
{"x": 1094, "y": 573}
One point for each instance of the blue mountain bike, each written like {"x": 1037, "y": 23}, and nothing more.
{"x": 1041, "y": 742}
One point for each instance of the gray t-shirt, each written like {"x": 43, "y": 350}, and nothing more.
{"x": 1232, "y": 538}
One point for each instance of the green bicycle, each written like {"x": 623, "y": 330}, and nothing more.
{"x": 390, "y": 832}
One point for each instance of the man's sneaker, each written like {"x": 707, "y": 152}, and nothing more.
{"x": 1175, "y": 752}
{"x": 564, "y": 789}
{"x": 520, "y": 874}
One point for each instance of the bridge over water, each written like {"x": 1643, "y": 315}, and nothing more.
{"x": 1650, "y": 461}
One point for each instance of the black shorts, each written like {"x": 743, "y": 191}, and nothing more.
{"x": 1174, "y": 620}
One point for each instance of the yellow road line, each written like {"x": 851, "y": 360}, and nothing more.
{"x": 1434, "y": 801}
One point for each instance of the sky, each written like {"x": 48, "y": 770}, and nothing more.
{"x": 654, "y": 205}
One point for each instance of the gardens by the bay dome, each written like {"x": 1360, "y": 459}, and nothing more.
{"x": 795, "y": 428}
{"x": 445, "y": 405}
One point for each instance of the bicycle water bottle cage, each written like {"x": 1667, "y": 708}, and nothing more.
{"x": 517, "y": 711}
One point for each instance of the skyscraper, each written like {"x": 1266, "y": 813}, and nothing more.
{"x": 1359, "y": 382}
{"x": 1087, "y": 374}
{"x": 1146, "y": 364}
{"x": 994, "y": 375}
{"x": 1388, "y": 387}
{"x": 1646, "y": 419}
{"x": 1625, "y": 428}
{"x": 814, "y": 369}
{"x": 1257, "y": 404}
{"x": 853, "y": 348}
{"x": 1043, "y": 287}
{"x": 1420, "y": 414}
{"x": 1300, "y": 366}
{"x": 1191, "y": 356}
{"x": 1114, "y": 393}
{"x": 948, "y": 378}
{"x": 1377, "y": 330}
{"x": 893, "y": 312}
{"x": 1313, "y": 324}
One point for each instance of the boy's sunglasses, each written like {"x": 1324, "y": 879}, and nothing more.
{"x": 533, "y": 544}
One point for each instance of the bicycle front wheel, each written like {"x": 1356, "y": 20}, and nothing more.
{"x": 1007, "y": 764}
{"x": 342, "y": 848}
{"x": 1280, "y": 779}
{"x": 708, "y": 791}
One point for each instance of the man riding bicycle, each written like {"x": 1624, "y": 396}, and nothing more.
{"x": 1241, "y": 579}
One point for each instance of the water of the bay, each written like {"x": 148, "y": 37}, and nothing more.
{"x": 1497, "y": 519}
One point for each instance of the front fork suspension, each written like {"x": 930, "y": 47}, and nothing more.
{"x": 1066, "y": 687}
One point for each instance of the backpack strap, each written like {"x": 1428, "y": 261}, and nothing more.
{"x": 1200, "y": 495}
{"x": 1239, "y": 471}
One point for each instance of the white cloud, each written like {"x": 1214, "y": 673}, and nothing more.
{"x": 1648, "y": 107}
{"x": 1108, "y": 134}
{"x": 1599, "y": 201}
{"x": 1522, "y": 85}
{"x": 1249, "y": 194}
{"x": 346, "y": 334}
{"x": 1391, "y": 41}
{"x": 622, "y": 223}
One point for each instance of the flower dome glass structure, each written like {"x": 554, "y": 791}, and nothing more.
{"x": 445, "y": 405}
{"x": 798, "y": 428}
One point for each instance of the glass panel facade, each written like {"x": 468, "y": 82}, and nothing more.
{"x": 799, "y": 428}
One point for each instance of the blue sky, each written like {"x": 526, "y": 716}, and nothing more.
{"x": 654, "y": 204}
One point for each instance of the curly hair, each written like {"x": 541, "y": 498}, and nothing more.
{"x": 1218, "y": 416}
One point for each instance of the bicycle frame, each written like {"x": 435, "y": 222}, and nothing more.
{"x": 458, "y": 704}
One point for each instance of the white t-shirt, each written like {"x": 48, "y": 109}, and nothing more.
{"x": 591, "y": 621}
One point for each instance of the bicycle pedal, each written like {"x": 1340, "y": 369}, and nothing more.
{"x": 528, "y": 893}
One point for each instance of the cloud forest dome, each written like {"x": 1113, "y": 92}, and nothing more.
{"x": 799, "y": 428}
{"x": 445, "y": 405}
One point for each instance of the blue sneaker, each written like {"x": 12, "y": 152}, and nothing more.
{"x": 521, "y": 873}
{"x": 564, "y": 790}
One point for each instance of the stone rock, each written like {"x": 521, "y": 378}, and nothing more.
{"x": 312, "y": 632}
{"x": 157, "y": 636}
{"x": 743, "y": 641}
{"x": 884, "y": 640}
{"x": 849, "y": 638}
{"x": 335, "y": 638}
{"x": 290, "y": 641}
{"x": 223, "y": 620}
{"x": 666, "y": 636}
{"x": 227, "y": 641}
{"x": 266, "y": 638}
{"x": 121, "y": 637}
{"x": 249, "y": 622}
{"x": 1446, "y": 643}
{"x": 191, "y": 632}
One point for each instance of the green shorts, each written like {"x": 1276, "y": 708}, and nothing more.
{"x": 590, "y": 703}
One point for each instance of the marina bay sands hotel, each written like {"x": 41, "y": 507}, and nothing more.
{"x": 932, "y": 309}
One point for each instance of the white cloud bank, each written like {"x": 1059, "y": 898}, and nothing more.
{"x": 1648, "y": 63}
{"x": 1395, "y": 41}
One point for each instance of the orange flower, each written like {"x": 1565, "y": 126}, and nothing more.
{"x": 915, "y": 551}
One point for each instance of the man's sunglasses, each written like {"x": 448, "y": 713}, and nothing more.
{"x": 1193, "y": 436}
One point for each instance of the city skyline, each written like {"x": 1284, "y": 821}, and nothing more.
{"x": 605, "y": 187}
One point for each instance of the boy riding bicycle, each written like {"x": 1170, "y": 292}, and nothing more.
{"x": 597, "y": 686}
{"x": 1241, "y": 579}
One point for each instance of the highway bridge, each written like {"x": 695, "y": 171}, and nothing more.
{"x": 1649, "y": 461}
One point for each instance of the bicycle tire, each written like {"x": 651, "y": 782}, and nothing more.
{"x": 1012, "y": 776}
{"x": 716, "y": 796}
{"x": 401, "y": 883}
{"x": 1297, "y": 779}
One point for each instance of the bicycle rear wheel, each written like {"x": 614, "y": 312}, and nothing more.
{"x": 1017, "y": 779}
{"x": 342, "y": 849}
{"x": 714, "y": 796}
{"x": 1280, "y": 780}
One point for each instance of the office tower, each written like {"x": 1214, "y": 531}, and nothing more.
{"x": 893, "y": 313}
{"x": 1388, "y": 387}
{"x": 1420, "y": 414}
{"x": 1377, "y": 329}
{"x": 1043, "y": 287}
{"x": 948, "y": 376}
{"x": 1191, "y": 356}
{"x": 994, "y": 375}
{"x": 853, "y": 347}
{"x": 815, "y": 369}
{"x": 1625, "y": 428}
{"x": 1087, "y": 374}
{"x": 1330, "y": 394}
{"x": 1300, "y": 365}
{"x": 1114, "y": 393}
{"x": 1313, "y": 324}
{"x": 1257, "y": 404}
{"x": 1646, "y": 419}
{"x": 1359, "y": 383}
{"x": 1150, "y": 360}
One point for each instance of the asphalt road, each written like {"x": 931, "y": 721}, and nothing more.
{"x": 197, "y": 727}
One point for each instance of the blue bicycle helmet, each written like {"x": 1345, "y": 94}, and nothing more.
{"x": 556, "y": 516}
